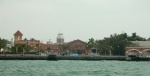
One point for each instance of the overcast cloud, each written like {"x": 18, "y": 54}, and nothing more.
{"x": 76, "y": 19}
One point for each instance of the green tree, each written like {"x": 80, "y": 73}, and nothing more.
{"x": 104, "y": 47}
{"x": 115, "y": 44}
{"x": 32, "y": 39}
{"x": 3, "y": 43}
{"x": 19, "y": 48}
{"x": 135, "y": 37}
{"x": 118, "y": 43}
{"x": 25, "y": 39}
{"x": 64, "y": 47}
{"x": 91, "y": 43}
{"x": 38, "y": 47}
{"x": 148, "y": 39}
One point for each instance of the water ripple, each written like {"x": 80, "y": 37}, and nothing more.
{"x": 73, "y": 68}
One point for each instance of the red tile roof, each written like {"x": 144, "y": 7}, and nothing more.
{"x": 18, "y": 33}
{"x": 76, "y": 41}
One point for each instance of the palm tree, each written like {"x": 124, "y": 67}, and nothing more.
{"x": 91, "y": 43}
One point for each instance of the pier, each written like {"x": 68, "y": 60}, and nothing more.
{"x": 54, "y": 57}
{"x": 91, "y": 58}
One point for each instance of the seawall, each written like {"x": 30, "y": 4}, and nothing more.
{"x": 91, "y": 58}
{"x": 54, "y": 57}
{"x": 23, "y": 57}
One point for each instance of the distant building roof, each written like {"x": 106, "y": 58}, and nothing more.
{"x": 142, "y": 43}
{"x": 76, "y": 41}
{"x": 18, "y": 33}
{"x": 60, "y": 36}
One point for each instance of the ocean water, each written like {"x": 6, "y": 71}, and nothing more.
{"x": 73, "y": 68}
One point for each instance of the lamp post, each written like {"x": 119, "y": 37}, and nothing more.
{"x": 26, "y": 44}
{"x": 118, "y": 50}
{"x": 110, "y": 50}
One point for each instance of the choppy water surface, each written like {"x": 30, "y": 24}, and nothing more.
{"x": 73, "y": 68}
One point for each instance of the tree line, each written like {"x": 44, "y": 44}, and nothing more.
{"x": 115, "y": 44}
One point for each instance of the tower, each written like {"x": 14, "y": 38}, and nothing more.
{"x": 60, "y": 38}
{"x": 18, "y": 36}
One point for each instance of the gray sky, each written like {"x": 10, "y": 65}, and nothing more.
{"x": 76, "y": 19}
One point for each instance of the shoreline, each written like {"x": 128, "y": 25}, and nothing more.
{"x": 55, "y": 57}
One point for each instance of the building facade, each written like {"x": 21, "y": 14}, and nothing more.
{"x": 77, "y": 46}
{"x": 32, "y": 44}
{"x": 18, "y": 38}
{"x": 139, "y": 48}
{"x": 60, "y": 38}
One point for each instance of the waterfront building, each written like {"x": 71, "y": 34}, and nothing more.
{"x": 139, "y": 48}
{"x": 77, "y": 46}
{"x": 55, "y": 47}
{"x": 60, "y": 38}
{"x": 33, "y": 44}
{"x": 18, "y": 38}
{"x": 60, "y": 46}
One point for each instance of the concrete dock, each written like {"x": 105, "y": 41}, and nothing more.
{"x": 23, "y": 57}
{"x": 91, "y": 58}
{"x": 54, "y": 57}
